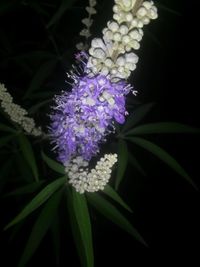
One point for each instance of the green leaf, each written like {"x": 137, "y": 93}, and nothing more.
{"x": 111, "y": 212}
{"x": 54, "y": 165}
{"x": 4, "y": 140}
{"x": 122, "y": 161}
{"x": 28, "y": 154}
{"x": 65, "y": 4}
{"x": 5, "y": 128}
{"x": 38, "y": 200}
{"x": 162, "y": 155}
{"x": 40, "y": 77}
{"x": 162, "y": 127}
{"x": 137, "y": 116}
{"x": 134, "y": 162}
{"x": 75, "y": 229}
{"x": 108, "y": 190}
{"x": 41, "y": 227}
{"x": 27, "y": 189}
{"x": 83, "y": 221}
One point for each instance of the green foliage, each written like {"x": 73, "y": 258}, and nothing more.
{"x": 38, "y": 200}
{"x": 161, "y": 127}
{"x": 28, "y": 153}
{"x": 5, "y": 128}
{"x": 162, "y": 155}
{"x": 109, "y": 191}
{"x": 41, "y": 226}
{"x": 54, "y": 165}
{"x": 6, "y": 139}
{"x": 111, "y": 212}
{"x": 81, "y": 226}
{"x": 137, "y": 116}
{"x": 65, "y": 4}
{"x": 122, "y": 161}
{"x": 40, "y": 77}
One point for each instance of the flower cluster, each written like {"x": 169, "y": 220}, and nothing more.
{"x": 87, "y": 23}
{"x": 112, "y": 55}
{"x": 84, "y": 180}
{"x": 17, "y": 114}
{"x": 83, "y": 117}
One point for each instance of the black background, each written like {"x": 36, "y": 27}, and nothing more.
{"x": 166, "y": 208}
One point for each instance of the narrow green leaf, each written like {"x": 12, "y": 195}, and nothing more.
{"x": 5, "y": 128}
{"x": 75, "y": 229}
{"x": 162, "y": 155}
{"x": 65, "y": 4}
{"x": 162, "y": 127}
{"x": 54, "y": 165}
{"x": 40, "y": 76}
{"x": 38, "y": 200}
{"x": 134, "y": 162}
{"x": 29, "y": 154}
{"x": 122, "y": 161}
{"x": 137, "y": 116}
{"x": 4, "y": 140}
{"x": 111, "y": 212}
{"x": 83, "y": 220}
{"x": 108, "y": 190}
{"x": 27, "y": 189}
{"x": 41, "y": 227}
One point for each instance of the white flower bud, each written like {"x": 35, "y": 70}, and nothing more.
{"x": 91, "y": 10}
{"x": 120, "y": 61}
{"x": 126, "y": 5}
{"x": 123, "y": 29}
{"x": 113, "y": 26}
{"x": 98, "y": 43}
{"x": 99, "y": 53}
{"x": 125, "y": 39}
{"x": 92, "y": 3}
{"x": 109, "y": 63}
{"x": 145, "y": 20}
{"x": 108, "y": 35}
{"x": 141, "y": 12}
{"x": 147, "y": 4}
{"x": 117, "y": 37}
{"x": 131, "y": 57}
{"x": 129, "y": 17}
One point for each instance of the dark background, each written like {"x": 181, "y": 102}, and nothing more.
{"x": 166, "y": 208}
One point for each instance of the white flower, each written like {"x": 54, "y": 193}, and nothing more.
{"x": 131, "y": 57}
{"x": 113, "y": 26}
{"x": 88, "y": 22}
{"x": 111, "y": 55}
{"x": 91, "y": 10}
{"x": 17, "y": 114}
{"x": 84, "y": 180}
{"x": 126, "y": 5}
{"x": 98, "y": 43}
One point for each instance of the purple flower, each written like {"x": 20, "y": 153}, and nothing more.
{"x": 83, "y": 117}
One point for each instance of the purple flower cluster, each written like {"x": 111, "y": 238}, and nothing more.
{"x": 83, "y": 117}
